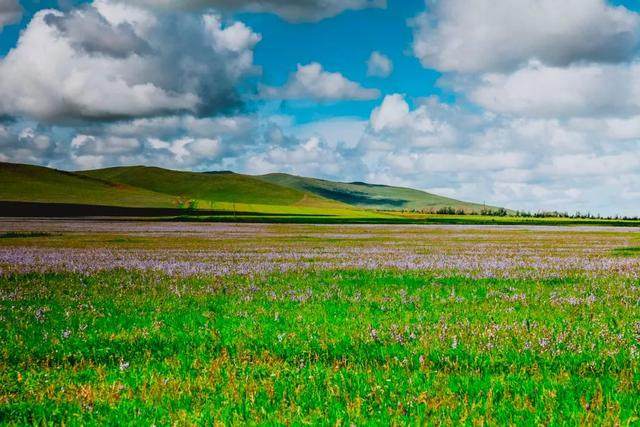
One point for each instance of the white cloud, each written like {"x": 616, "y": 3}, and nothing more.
{"x": 393, "y": 113}
{"x": 24, "y": 145}
{"x": 310, "y": 157}
{"x": 10, "y": 12}
{"x": 522, "y": 163}
{"x": 313, "y": 82}
{"x": 472, "y": 36}
{"x": 292, "y": 10}
{"x": 379, "y": 65}
{"x": 417, "y": 128}
{"x": 111, "y": 61}
{"x": 578, "y": 90}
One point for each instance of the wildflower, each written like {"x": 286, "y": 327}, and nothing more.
{"x": 454, "y": 343}
{"x": 373, "y": 333}
{"x": 66, "y": 334}
{"x": 124, "y": 366}
{"x": 40, "y": 314}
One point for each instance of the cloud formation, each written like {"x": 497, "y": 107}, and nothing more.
{"x": 575, "y": 91}
{"x": 474, "y": 36}
{"x": 292, "y": 10}
{"x": 379, "y": 65}
{"x": 109, "y": 61}
{"x": 313, "y": 82}
{"x": 526, "y": 163}
{"x": 10, "y": 12}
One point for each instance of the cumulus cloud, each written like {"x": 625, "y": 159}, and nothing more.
{"x": 580, "y": 90}
{"x": 25, "y": 145}
{"x": 88, "y": 31}
{"x": 10, "y": 12}
{"x": 293, "y": 10}
{"x": 525, "y": 163}
{"x": 308, "y": 157}
{"x": 417, "y": 128}
{"x": 473, "y": 36}
{"x": 183, "y": 142}
{"x": 110, "y": 61}
{"x": 313, "y": 82}
{"x": 179, "y": 142}
{"x": 379, "y": 65}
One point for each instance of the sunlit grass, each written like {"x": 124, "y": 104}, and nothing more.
{"x": 323, "y": 347}
{"x": 184, "y": 323}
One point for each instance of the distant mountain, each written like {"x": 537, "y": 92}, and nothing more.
{"x": 369, "y": 196}
{"x": 152, "y": 187}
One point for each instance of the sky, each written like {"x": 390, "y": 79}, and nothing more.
{"x": 528, "y": 104}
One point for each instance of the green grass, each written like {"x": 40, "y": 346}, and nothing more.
{"x": 26, "y": 183}
{"x": 631, "y": 251}
{"x": 380, "y": 197}
{"x": 161, "y": 188}
{"x": 362, "y": 347}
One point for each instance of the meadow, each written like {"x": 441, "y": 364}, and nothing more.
{"x": 141, "y": 323}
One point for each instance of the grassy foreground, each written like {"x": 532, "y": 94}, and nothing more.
{"x": 328, "y": 347}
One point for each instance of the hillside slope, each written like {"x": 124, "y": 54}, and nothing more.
{"x": 27, "y": 183}
{"x": 225, "y": 187}
{"x": 369, "y": 196}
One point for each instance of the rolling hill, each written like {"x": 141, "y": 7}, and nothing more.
{"x": 211, "y": 188}
{"x": 156, "y": 188}
{"x": 27, "y": 183}
{"x": 369, "y": 196}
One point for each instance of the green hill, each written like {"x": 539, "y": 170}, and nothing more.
{"x": 152, "y": 187}
{"x": 370, "y": 196}
{"x": 27, "y": 183}
{"x": 213, "y": 187}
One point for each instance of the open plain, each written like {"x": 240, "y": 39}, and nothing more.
{"x": 127, "y": 322}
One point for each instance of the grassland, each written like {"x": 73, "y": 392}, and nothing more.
{"x": 187, "y": 323}
{"x": 38, "y": 184}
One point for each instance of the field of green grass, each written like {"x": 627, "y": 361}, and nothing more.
{"x": 327, "y": 348}
{"x": 155, "y": 323}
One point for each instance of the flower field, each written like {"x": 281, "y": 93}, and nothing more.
{"x": 179, "y": 323}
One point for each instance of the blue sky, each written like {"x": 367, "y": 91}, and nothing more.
{"x": 342, "y": 43}
{"x": 530, "y": 104}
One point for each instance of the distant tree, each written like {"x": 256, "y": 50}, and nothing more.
{"x": 180, "y": 202}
